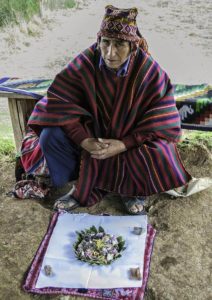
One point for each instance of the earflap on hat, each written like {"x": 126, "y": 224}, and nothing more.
{"x": 142, "y": 43}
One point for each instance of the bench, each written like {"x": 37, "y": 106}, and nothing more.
{"x": 20, "y": 108}
{"x": 194, "y": 103}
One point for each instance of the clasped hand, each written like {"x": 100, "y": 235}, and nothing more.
{"x": 103, "y": 148}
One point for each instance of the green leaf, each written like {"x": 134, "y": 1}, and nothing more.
{"x": 119, "y": 239}
{"x": 121, "y": 245}
{"x": 80, "y": 237}
{"x": 93, "y": 228}
{"x": 101, "y": 229}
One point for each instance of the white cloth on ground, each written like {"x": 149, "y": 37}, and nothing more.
{"x": 69, "y": 272}
{"x": 195, "y": 185}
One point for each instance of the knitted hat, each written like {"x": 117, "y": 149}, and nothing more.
{"x": 120, "y": 23}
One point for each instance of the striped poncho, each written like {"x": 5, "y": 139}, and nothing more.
{"x": 138, "y": 109}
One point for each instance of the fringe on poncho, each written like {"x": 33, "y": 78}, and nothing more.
{"x": 138, "y": 109}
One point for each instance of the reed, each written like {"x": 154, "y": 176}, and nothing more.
{"x": 13, "y": 11}
{"x": 16, "y": 11}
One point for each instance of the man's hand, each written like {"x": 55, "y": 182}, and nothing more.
{"x": 92, "y": 144}
{"x": 110, "y": 147}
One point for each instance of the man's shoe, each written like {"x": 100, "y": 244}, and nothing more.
{"x": 66, "y": 202}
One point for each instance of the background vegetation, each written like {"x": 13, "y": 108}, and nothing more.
{"x": 12, "y": 11}
{"x": 57, "y": 4}
{"x": 15, "y": 11}
{"x": 7, "y": 148}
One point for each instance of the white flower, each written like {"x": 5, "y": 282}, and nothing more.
{"x": 109, "y": 257}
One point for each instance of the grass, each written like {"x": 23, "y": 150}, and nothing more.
{"x": 57, "y": 4}
{"x": 6, "y": 131}
{"x": 7, "y": 148}
{"x": 12, "y": 11}
{"x": 69, "y": 3}
{"x": 193, "y": 137}
{"x": 15, "y": 11}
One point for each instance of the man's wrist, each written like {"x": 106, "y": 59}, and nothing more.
{"x": 123, "y": 146}
{"x": 129, "y": 141}
{"x": 83, "y": 142}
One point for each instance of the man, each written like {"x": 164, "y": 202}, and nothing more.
{"x": 110, "y": 121}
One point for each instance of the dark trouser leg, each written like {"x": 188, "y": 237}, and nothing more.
{"x": 62, "y": 155}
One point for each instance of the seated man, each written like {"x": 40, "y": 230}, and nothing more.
{"x": 109, "y": 120}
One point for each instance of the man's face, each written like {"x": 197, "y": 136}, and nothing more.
{"x": 114, "y": 51}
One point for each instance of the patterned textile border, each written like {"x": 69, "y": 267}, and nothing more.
{"x": 112, "y": 294}
{"x": 194, "y": 102}
{"x": 35, "y": 88}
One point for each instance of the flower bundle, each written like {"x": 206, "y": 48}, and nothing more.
{"x": 97, "y": 247}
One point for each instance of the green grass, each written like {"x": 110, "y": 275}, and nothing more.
{"x": 14, "y": 11}
{"x": 7, "y": 148}
{"x": 69, "y": 3}
{"x": 57, "y": 4}
{"x": 6, "y": 131}
{"x": 193, "y": 137}
{"x": 7, "y": 145}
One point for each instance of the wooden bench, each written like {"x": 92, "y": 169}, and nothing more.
{"x": 20, "y": 107}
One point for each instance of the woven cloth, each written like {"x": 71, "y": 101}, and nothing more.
{"x": 138, "y": 109}
{"x": 120, "y": 23}
{"x": 194, "y": 102}
{"x": 120, "y": 293}
{"x": 32, "y": 158}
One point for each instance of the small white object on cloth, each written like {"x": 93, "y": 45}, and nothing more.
{"x": 195, "y": 185}
{"x": 69, "y": 272}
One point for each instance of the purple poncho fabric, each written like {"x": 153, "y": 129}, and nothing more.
{"x": 138, "y": 109}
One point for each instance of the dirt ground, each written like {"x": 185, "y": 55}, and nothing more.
{"x": 181, "y": 259}
{"x": 180, "y": 265}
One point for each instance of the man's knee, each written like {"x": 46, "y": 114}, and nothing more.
{"x": 49, "y": 136}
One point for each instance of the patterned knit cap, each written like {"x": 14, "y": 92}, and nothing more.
{"x": 120, "y": 23}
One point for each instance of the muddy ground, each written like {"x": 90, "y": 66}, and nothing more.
{"x": 181, "y": 260}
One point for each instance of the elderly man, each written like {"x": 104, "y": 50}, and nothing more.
{"x": 110, "y": 121}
